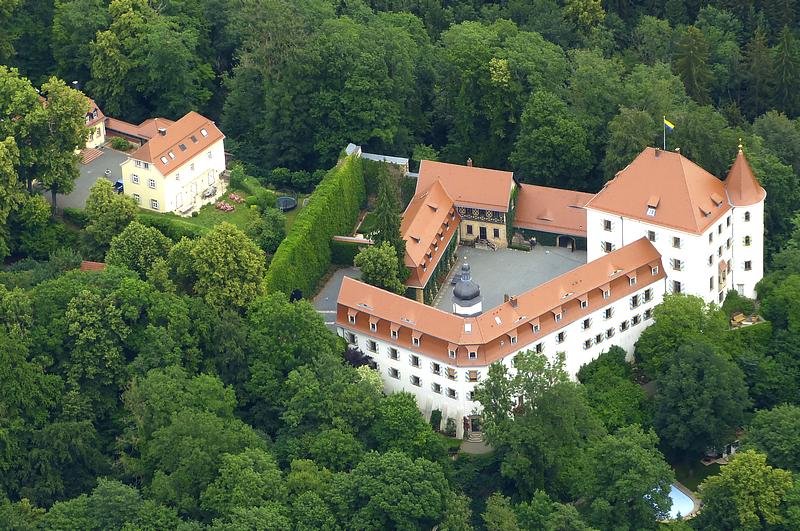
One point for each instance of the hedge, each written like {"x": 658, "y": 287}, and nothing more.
{"x": 343, "y": 253}
{"x": 173, "y": 228}
{"x": 76, "y": 216}
{"x": 304, "y": 256}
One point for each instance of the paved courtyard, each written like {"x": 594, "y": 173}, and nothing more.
{"x": 325, "y": 301}
{"x": 90, "y": 173}
{"x": 509, "y": 272}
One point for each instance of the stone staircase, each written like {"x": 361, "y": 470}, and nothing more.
{"x": 90, "y": 154}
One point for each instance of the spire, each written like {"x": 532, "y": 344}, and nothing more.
{"x": 742, "y": 186}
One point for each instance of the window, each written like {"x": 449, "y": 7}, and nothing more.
{"x": 452, "y": 354}
{"x": 373, "y": 327}
{"x": 676, "y": 242}
{"x": 651, "y": 211}
{"x": 624, "y": 325}
{"x": 711, "y": 283}
{"x": 677, "y": 287}
{"x": 436, "y": 368}
{"x": 351, "y": 319}
{"x": 584, "y": 303}
{"x": 415, "y": 341}
{"x": 394, "y": 373}
{"x": 536, "y": 328}
{"x": 558, "y": 317}
{"x": 414, "y": 361}
{"x": 607, "y": 247}
{"x": 677, "y": 265}
{"x": 450, "y": 373}
{"x": 610, "y": 333}
{"x": 586, "y": 324}
{"x": 203, "y": 132}
{"x": 209, "y": 154}
{"x": 137, "y": 163}
{"x": 648, "y": 294}
{"x": 471, "y": 396}
{"x": 635, "y": 301}
{"x": 719, "y": 228}
{"x": 606, "y": 293}
{"x": 539, "y": 348}
{"x": 632, "y": 281}
{"x": 394, "y": 354}
{"x": 719, "y": 251}
{"x": 651, "y": 235}
{"x": 372, "y": 346}
{"x": 210, "y": 178}
{"x": 416, "y": 381}
{"x": 728, "y": 221}
{"x": 710, "y": 259}
{"x": 748, "y": 265}
{"x": 351, "y": 338}
{"x": 598, "y": 338}
{"x": 164, "y": 160}
{"x": 607, "y": 224}
{"x": 608, "y": 313}
{"x": 747, "y": 241}
{"x": 473, "y": 355}
{"x": 587, "y": 344}
{"x": 648, "y": 313}
{"x": 151, "y": 183}
{"x": 513, "y": 340}
{"x": 469, "y": 229}
{"x": 182, "y": 147}
{"x": 154, "y": 204}
{"x": 171, "y": 155}
{"x": 194, "y": 139}
{"x": 394, "y": 334}
{"x": 710, "y": 237}
{"x": 436, "y": 388}
{"x": 191, "y": 166}
{"x": 747, "y": 216}
{"x": 135, "y": 178}
{"x": 654, "y": 270}
{"x": 560, "y": 337}
{"x": 451, "y": 393}
{"x": 728, "y": 243}
{"x": 496, "y": 233}
{"x": 636, "y": 320}
{"x": 473, "y": 376}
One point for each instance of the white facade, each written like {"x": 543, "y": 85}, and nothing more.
{"x": 448, "y": 387}
{"x": 747, "y": 267}
{"x": 694, "y": 264}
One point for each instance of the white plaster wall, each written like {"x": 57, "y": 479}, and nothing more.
{"x": 742, "y": 280}
{"x": 694, "y": 251}
{"x": 191, "y": 183}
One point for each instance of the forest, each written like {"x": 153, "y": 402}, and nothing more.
{"x": 176, "y": 389}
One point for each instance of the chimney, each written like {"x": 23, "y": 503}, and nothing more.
{"x": 162, "y": 131}
{"x": 469, "y": 162}
{"x": 658, "y": 152}
{"x": 513, "y": 301}
{"x": 506, "y": 297}
{"x": 678, "y": 151}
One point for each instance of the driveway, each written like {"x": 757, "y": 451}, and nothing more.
{"x": 90, "y": 173}
{"x": 325, "y": 301}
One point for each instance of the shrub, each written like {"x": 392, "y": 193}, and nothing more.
{"x": 343, "y": 253}
{"x": 436, "y": 419}
{"x": 280, "y": 177}
{"x": 304, "y": 256}
{"x": 263, "y": 199}
{"x": 517, "y": 247}
{"x": 450, "y": 427}
{"x": 172, "y": 227}
{"x": 237, "y": 176}
{"x": 736, "y": 303}
{"x": 120, "y": 144}
{"x": 76, "y": 216}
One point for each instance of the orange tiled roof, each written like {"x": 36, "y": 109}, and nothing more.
{"x": 687, "y": 197}
{"x": 145, "y": 130}
{"x": 182, "y": 141}
{"x": 93, "y": 120}
{"x": 86, "y": 265}
{"x": 490, "y": 332}
{"x": 742, "y": 186}
{"x": 467, "y": 185}
{"x": 551, "y": 210}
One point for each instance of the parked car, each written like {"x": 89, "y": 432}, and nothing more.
{"x": 118, "y": 187}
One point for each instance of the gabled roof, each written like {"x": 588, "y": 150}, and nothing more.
{"x": 742, "y": 186}
{"x": 686, "y": 196}
{"x": 467, "y": 185}
{"x": 144, "y": 131}
{"x": 91, "y": 117}
{"x": 506, "y": 317}
{"x": 551, "y": 210}
{"x": 182, "y": 141}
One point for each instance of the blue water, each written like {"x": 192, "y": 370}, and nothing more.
{"x": 681, "y": 503}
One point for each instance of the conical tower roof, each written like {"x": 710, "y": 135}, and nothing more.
{"x": 742, "y": 186}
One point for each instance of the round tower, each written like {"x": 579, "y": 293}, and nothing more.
{"x": 467, "y": 301}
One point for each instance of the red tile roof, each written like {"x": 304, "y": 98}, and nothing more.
{"x": 467, "y": 185}
{"x": 742, "y": 186}
{"x": 92, "y": 118}
{"x": 86, "y": 265}
{"x": 688, "y": 197}
{"x": 551, "y": 210}
{"x": 182, "y": 141}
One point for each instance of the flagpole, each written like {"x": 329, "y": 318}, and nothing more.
{"x": 664, "y": 125}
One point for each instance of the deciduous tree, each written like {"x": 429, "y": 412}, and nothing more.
{"x": 379, "y": 267}
{"x": 138, "y": 247}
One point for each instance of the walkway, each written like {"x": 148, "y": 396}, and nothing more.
{"x": 325, "y": 300}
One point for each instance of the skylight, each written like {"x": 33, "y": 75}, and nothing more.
{"x": 203, "y": 132}
{"x": 194, "y": 139}
{"x": 164, "y": 160}
{"x": 468, "y": 327}
{"x": 171, "y": 155}
{"x": 182, "y": 146}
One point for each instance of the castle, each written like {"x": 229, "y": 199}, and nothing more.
{"x": 662, "y": 225}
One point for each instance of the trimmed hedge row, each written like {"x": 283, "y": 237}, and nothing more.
{"x": 343, "y": 253}
{"x": 172, "y": 227}
{"x": 304, "y": 256}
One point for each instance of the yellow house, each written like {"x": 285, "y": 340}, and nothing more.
{"x": 95, "y": 121}
{"x": 178, "y": 170}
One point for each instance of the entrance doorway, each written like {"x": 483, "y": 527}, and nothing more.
{"x": 482, "y": 232}
{"x": 567, "y": 242}
{"x": 475, "y": 424}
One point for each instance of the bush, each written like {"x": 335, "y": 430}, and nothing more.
{"x": 237, "y": 176}
{"x": 120, "y": 144}
{"x": 172, "y": 227}
{"x": 76, "y": 216}
{"x": 450, "y": 427}
{"x": 517, "y": 247}
{"x": 735, "y": 303}
{"x": 343, "y": 253}
{"x": 304, "y": 256}
{"x": 280, "y": 177}
{"x": 436, "y": 419}
{"x": 263, "y": 199}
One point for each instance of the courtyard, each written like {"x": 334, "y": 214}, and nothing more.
{"x": 95, "y": 169}
{"x": 508, "y": 271}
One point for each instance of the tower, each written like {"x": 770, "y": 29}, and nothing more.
{"x": 467, "y": 301}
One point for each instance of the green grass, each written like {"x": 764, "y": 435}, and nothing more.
{"x": 692, "y": 474}
{"x": 368, "y": 225}
{"x": 210, "y": 216}
{"x": 292, "y": 214}
{"x": 451, "y": 444}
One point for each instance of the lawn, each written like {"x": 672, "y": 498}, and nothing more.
{"x": 693, "y": 473}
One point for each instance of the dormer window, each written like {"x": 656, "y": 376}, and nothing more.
{"x": 165, "y": 160}
{"x": 351, "y": 318}
{"x": 373, "y": 327}
{"x": 654, "y": 270}
{"x": 558, "y": 317}
{"x": 171, "y": 155}
{"x": 452, "y": 354}
{"x": 415, "y": 336}
{"x": 394, "y": 334}
{"x": 606, "y": 293}
{"x": 536, "y": 328}
{"x": 203, "y": 132}
{"x": 194, "y": 139}
{"x": 182, "y": 147}
{"x": 651, "y": 211}
{"x": 473, "y": 355}
{"x": 584, "y": 303}
{"x": 632, "y": 281}
{"x": 513, "y": 340}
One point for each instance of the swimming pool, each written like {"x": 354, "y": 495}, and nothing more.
{"x": 681, "y": 503}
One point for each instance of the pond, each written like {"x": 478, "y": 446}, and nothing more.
{"x": 681, "y": 503}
